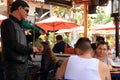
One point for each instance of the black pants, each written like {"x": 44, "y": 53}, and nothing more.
{"x": 16, "y": 71}
{"x": 1, "y": 68}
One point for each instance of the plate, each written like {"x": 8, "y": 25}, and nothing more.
{"x": 116, "y": 65}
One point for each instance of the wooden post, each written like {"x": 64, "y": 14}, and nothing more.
{"x": 9, "y": 2}
{"x": 85, "y": 19}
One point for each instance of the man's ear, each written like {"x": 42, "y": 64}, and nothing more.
{"x": 20, "y": 7}
{"x": 78, "y": 51}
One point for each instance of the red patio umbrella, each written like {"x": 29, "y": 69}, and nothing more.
{"x": 54, "y": 23}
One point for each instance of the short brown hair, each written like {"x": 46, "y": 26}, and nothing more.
{"x": 83, "y": 44}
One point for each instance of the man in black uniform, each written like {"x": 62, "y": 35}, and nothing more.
{"x": 15, "y": 49}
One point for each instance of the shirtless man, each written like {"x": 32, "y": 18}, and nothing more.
{"x": 83, "y": 66}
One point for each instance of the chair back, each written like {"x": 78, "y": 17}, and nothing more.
{"x": 69, "y": 50}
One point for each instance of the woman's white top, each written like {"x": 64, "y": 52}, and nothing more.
{"x": 82, "y": 68}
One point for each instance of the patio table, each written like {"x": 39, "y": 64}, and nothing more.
{"x": 115, "y": 74}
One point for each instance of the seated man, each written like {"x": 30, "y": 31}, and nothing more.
{"x": 98, "y": 39}
{"x": 83, "y": 66}
{"x": 94, "y": 45}
{"x": 60, "y": 44}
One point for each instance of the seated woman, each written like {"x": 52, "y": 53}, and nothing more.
{"x": 101, "y": 52}
{"x": 48, "y": 60}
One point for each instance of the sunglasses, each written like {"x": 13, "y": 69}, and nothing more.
{"x": 26, "y": 9}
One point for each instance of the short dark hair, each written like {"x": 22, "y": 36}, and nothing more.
{"x": 18, "y": 3}
{"x": 100, "y": 38}
{"x": 59, "y": 37}
{"x": 83, "y": 43}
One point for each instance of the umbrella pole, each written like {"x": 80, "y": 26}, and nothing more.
{"x": 54, "y": 33}
{"x": 54, "y": 36}
{"x": 34, "y": 32}
{"x": 34, "y": 41}
{"x": 117, "y": 35}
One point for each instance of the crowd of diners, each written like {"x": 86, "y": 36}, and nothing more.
{"x": 89, "y": 61}
{"x": 86, "y": 54}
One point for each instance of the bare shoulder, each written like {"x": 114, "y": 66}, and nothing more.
{"x": 64, "y": 64}
{"x": 104, "y": 71}
{"x": 61, "y": 71}
{"x": 65, "y": 61}
{"x": 103, "y": 65}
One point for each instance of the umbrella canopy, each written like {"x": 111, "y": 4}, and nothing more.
{"x": 108, "y": 26}
{"x": 64, "y": 31}
{"x": 54, "y": 23}
{"x": 2, "y": 17}
{"x": 78, "y": 29}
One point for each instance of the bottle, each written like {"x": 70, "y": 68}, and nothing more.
{"x": 117, "y": 59}
{"x": 61, "y": 53}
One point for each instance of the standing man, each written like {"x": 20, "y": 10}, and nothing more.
{"x": 16, "y": 50}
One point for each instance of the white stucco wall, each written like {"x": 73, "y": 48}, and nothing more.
{"x": 36, "y": 4}
{"x": 3, "y": 6}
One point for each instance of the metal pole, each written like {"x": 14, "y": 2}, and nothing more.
{"x": 117, "y": 30}
{"x": 50, "y": 10}
{"x": 117, "y": 34}
{"x": 35, "y": 14}
{"x": 34, "y": 32}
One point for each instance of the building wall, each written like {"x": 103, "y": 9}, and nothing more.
{"x": 3, "y": 6}
{"x": 33, "y": 5}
